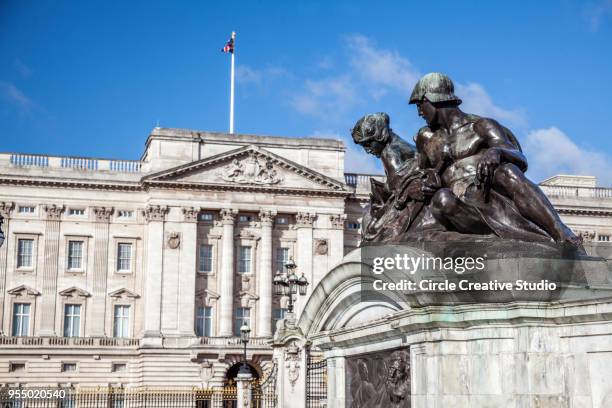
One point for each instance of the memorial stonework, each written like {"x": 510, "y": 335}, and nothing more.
{"x": 141, "y": 273}
{"x": 469, "y": 289}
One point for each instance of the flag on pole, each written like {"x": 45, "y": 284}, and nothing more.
{"x": 229, "y": 46}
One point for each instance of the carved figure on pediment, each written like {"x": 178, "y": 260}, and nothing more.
{"x": 235, "y": 169}
{"x": 250, "y": 171}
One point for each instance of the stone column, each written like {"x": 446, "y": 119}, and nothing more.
{"x": 303, "y": 258}
{"x": 155, "y": 216}
{"x": 264, "y": 312}
{"x": 336, "y": 244}
{"x": 5, "y": 212}
{"x": 243, "y": 388}
{"x": 226, "y": 277}
{"x": 50, "y": 269}
{"x": 336, "y": 390}
{"x": 100, "y": 272}
{"x": 189, "y": 251}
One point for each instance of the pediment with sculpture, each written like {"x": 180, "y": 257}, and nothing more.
{"x": 248, "y": 167}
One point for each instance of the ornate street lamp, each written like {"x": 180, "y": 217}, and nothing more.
{"x": 289, "y": 284}
{"x": 245, "y": 332}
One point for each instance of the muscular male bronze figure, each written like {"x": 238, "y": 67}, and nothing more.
{"x": 484, "y": 190}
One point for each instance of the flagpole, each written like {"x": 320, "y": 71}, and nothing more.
{"x": 231, "y": 129}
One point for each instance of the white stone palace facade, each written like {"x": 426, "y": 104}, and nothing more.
{"x": 141, "y": 272}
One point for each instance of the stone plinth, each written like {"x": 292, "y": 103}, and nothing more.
{"x": 516, "y": 353}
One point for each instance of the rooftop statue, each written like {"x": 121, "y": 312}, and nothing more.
{"x": 464, "y": 177}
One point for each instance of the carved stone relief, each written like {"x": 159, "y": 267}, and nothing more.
{"x": 252, "y": 170}
{"x": 321, "y": 246}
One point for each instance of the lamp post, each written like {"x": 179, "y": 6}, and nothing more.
{"x": 245, "y": 332}
{"x": 289, "y": 283}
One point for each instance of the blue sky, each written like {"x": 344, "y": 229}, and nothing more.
{"x": 93, "y": 78}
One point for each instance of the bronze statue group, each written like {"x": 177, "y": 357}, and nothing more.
{"x": 463, "y": 178}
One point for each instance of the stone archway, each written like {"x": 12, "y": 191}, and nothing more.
{"x": 232, "y": 372}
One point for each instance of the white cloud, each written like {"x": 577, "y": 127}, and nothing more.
{"x": 246, "y": 74}
{"x": 249, "y": 75}
{"x": 597, "y": 12}
{"x": 379, "y": 67}
{"x": 16, "y": 97}
{"x": 22, "y": 68}
{"x": 356, "y": 160}
{"x": 550, "y": 152}
{"x": 476, "y": 100}
{"x": 325, "y": 97}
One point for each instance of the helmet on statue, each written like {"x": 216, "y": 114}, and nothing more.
{"x": 436, "y": 87}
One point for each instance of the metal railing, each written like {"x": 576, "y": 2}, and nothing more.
{"x": 68, "y": 341}
{"x": 118, "y": 397}
{"x": 233, "y": 341}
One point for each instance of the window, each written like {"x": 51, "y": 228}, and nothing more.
{"x": 25, "y": 249}
{"x": 21, "y": 319}
{"x": 603, "y": 238}
{"x": 124, "y": 257}
{"x": 353, "y": 225}
{"x": 279, "y": 314}
{"x": 243, "y": 316}
{"x": 76, "y": 211}
{"x": 204, "y": 321}
{"x": 244, "y": 259}
{"x": 206, "y": 258}
{"x": 121, "y": 327}
{"x": 26, "y": 209}
{"x": 205, "y": 217}
{"x": 16, "y": 367}
{"x": 245, "y": 218}
{"x": 75, "y": 255}
{"x": 282, "y": 256}
{"x": 119, "y": 367}
{"x": 72, "y": 320}
{"x": 69, "y": 367}
{"x": 125, "y": 214}
{"x": 282, "y": 220}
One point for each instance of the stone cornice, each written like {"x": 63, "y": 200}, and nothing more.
{"x": 169, "y": 185}
{"x": 74, "y": 291}
{"x": 23, "y": 289}
{"x": 304, "y": 192}
{"x": 70, "y": 183}
{"x": 585, "y": 212}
